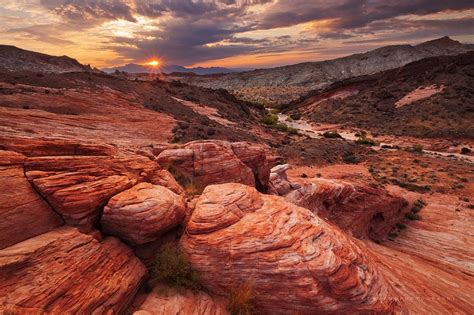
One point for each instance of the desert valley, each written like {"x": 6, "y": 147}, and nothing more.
{"x": 342, "y": 186}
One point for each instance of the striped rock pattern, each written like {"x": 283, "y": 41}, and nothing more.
{"x": 294, "y": 260}
{"x": 142, "y": 213}
{"x": 66, "y": 272}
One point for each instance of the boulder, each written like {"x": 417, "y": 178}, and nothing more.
{"x": 255, "y": 157}
{"x": 142, "y": 213}
{"x": 78, "y": 187}
{"x": 214, "y": 162}
{"x": 360, "y": 210}
{"x": 23, "y": 213}
{"x": 164, "y": 300}
{"x": 66, "y": 272}
{"x": 295, "y": 261}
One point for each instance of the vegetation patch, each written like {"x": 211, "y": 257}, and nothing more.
{"x": 332, "y": 135}
{"x": 172, "y": 268}
{"x": 363, "y": 140}
{"x": 241, "y": 300}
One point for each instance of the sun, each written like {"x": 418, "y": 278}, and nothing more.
{"x": 153, "y": 63}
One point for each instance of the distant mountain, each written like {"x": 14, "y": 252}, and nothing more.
{"x": 431, "y": 97}
{"x": 135, "y": 68}
{"x": 16, "y": 59}
{"x": 283, "y": 84}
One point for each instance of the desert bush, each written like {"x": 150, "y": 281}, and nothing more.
{"x": 241, "y": 300}
{"x": 270, "y": 120}
{"x": 365, "y": 141}
{"x": 295, "y": 116}
{"x": 412, "y": 216}
{"x": 172, "y": 268}
{"x": 465, "y": 150}
{"x": 332, "y": 135}
{"x": 350, "y": 159}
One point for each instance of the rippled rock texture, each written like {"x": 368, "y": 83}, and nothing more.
{"x": 78, "y": 187}
{"x": 294, "y": 260}
{"x": 142, "y": 213}
{"x": 23, "y": 213}
{"x": 362, "y": 211}
{"x": 215, "y": 162}
{"x": 66, "y": 272}
{"x": 165, "y": 300}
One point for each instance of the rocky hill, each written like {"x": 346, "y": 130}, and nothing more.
{"x": 283, "y": 84}
{"x": 432, "y": 97}
{"x": 16, "y": 59}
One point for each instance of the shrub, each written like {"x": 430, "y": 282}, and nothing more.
{"x": 332, "y": 135}
{"x": 365, "y": 141}
{"x": 270, "y": 120}
{"x": 401, "y": 226}
{"x": 350, "y": 159}
{"x": 412, "y": 216}
{"x": 295, "y": 116}
{"x": 465, "y": 150}
{"x": 241, "y": 300}
{"x": 172, "y": 268}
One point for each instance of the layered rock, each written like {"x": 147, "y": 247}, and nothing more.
{"x": 77, "y": 187}
{"x": 165, "y": 300}
{"x": 362, "y": 211}
{"x": 142, "y": 213}
{"x": 66, "y": 272}
{"x": 237, "y": 235}
{"x": 215, "y": 162}
{"x": 23, "y": 213}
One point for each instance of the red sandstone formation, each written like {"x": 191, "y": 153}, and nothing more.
{"x": 23, "y": 213}
{"x": 216, "y": 162}
{"x": 165, "y": 300}
{"x": 66, "y": 272}
{"x": 359, "y": 210}
{"x": 294, "y": 260}
{"x": 142, "y": 213}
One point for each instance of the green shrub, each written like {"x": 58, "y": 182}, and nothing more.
{"x": 295, "y": 116}
{"x": 270, "y": 120}
{"x": 401, "y": 226}
{"x": 241, "y": 300}
{"x": 172, "y": 268}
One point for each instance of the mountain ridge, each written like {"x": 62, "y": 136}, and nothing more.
{"x": 284, "y": 84}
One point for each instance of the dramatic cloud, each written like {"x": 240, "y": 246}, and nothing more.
{"x": 228, "y": 32}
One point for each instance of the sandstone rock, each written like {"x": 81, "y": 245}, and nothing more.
{"x": 164, "y": 300}
{"x": 66, "y": 272}
{"x": 279, "y": 184}
{"x": 255, "y": 157}
{"x": 294, "y": 260}
{"x": 78, "y": 186}
{"x": 23, "y": 213}
{"x": 142, "y": 213}
{"x": 212, "y": 162}
{"x": 361, "y": 211}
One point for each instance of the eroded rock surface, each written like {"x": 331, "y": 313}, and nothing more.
{"x": 237, "y": 234}
{"x": 217, "y": 162}
{"x": 78, "y": 186}
{"x": 164, "y": 300}
{"x": 23, "y": 213}
{"x": 360, "y": 210}
{"x": 142, "y": 213}
{"x": 66, "y": 272}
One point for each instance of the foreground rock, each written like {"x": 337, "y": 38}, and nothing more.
{"x": 361, "y": 211}
{"x": 142, "y": 213}
{"x": 77, "y": 187}
{"x": 165, "y": 300}
{"x": 215, "y": 162}
{"x": 66, "y": 272}
{"x": 23, "y": 213}
{"x": 237, "y": 234}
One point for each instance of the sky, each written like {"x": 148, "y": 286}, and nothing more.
{"x": 226, "y": 33}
